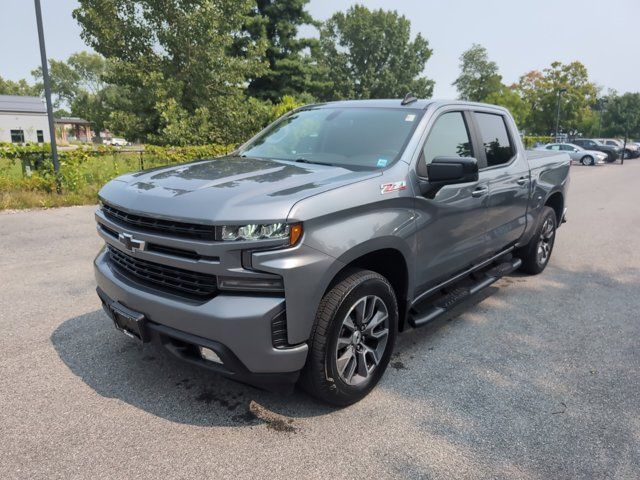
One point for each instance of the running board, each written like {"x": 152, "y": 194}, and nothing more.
{"x": 458, "y": 295}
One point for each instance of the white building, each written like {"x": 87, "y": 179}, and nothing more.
{"x": 23, "y": 119}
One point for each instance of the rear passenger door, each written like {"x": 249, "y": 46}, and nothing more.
{"x": 506, "y": 172}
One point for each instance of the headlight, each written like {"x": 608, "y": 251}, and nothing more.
{"x": 271, "y": 231}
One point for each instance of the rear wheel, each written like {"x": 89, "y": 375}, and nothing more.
{"x": 536, "y": 254}
{"x": 352, "y": 339}
{"x": 587, "y": 160}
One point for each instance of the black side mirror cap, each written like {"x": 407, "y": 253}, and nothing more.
{"x": 452, "y": 170}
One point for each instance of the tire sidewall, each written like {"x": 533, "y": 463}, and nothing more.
{"x": 370, "y": 286}
{"x": 551, "y": 215}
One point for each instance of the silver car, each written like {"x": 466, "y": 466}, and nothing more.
{"x": 577, "y": 153}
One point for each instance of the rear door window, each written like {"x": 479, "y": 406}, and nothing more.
{"x": 495, "y": 138}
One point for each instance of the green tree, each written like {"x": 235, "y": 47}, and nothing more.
{"x": 174, "y": 66}
{"x": 479, "y": 76}
{"x": 78, "y": 87}
{"x": 21, "y": 87}
{"x": 370, "y": 54}
{"x": 63, "y": 81}
{"x": 291, "y": 71}
{"x": 621, "y": 116}
{"x": 507, "y": 97}
{"x": 540, "y": 91}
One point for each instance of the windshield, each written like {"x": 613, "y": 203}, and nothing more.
{"x": 356, "y": 138}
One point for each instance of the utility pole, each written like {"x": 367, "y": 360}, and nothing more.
{"x": 47, "y": 95}
{"x": 560, "y": 92}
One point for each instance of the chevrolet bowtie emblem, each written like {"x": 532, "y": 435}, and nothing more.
{"x": 131, "y": 243}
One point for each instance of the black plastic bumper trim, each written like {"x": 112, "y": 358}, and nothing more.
{"x": 184, "y": 346}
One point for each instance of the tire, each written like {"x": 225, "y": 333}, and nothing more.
{"x": 611, "y": 157}
{"x": 535, "y": 260}
{"x": 587, "y": 160}
{"x": 341, "y": 368}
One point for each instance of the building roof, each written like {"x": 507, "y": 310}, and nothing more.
{"x": 22, "y": 104}
{"x": 72, "y": 121}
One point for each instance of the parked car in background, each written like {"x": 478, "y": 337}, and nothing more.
{"x": 631, "y": 150}
{"x": 612, "y": 151}
{"x": 119, "y": 142}
{"x": 577, "y": 153}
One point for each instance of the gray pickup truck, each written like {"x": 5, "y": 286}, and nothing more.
{"x": 302, "y": 254}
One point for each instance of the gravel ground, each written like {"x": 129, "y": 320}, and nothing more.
{"x": 537, "y": 378}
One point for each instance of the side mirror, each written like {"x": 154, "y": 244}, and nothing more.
{"x": 448, "y": 171}
{"x": 451, "y": 170}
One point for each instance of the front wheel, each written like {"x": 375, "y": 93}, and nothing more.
{"x": 536, "y": 254}
{"x": 587, "y": 160}
{"x": 352, "y": 339}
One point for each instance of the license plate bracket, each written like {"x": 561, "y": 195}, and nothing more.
{"x": 133, "y": 324}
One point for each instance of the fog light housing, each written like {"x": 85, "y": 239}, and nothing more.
{"x": 274, "y": 284}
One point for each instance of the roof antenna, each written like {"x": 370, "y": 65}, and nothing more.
{"x": 408, "y": 98}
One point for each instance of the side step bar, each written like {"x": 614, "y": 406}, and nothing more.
{"x": 458, "y": 295}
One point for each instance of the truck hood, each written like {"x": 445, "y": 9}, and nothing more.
{"x": 226, "y": 189}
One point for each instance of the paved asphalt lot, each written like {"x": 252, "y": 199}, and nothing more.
{"x": 536, "y": 379}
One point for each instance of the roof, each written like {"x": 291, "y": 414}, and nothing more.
{"x": 421, "y": 104}
{"x": 22, "y": 104}
{"x": 72, "y": 121}
{"x": 377, "y": 103}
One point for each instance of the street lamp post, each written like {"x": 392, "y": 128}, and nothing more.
{"x": 560, "y": 92}
{"x": 47, "y": 94}
{"x": 602, "y": 102}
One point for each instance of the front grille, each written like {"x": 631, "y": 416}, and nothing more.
{"x": 177, "y": 229}
{"x": 171, "y": 279}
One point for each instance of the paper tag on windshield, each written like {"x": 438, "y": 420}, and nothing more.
{"x": 410, "y": 118}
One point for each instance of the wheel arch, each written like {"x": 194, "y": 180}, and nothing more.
{"x": 387, "y": 260}
{"x": 556, "y": 202}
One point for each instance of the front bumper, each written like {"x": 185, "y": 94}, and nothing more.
{"x": 237, "y": 327}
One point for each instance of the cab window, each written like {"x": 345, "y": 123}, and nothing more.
{"x": 448, "y": 137}
{"x": 495, "y": 139}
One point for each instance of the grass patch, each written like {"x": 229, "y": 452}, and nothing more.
{"x": 82, "y": 172}
{"x": 19, "y": 199}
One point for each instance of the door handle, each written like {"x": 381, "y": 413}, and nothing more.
{"x": 480, "y": 191}
{"x": 522, "y": 181}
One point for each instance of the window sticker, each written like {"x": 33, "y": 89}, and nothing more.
{"x": 382, "y": 162}
{"x": 410, "y": 118}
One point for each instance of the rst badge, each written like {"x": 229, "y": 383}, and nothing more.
{"x": 392, "y": 187}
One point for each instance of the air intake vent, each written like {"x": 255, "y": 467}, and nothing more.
{"x": 279, "y": 331}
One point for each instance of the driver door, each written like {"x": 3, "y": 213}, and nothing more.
{"x": 452, "y": 224}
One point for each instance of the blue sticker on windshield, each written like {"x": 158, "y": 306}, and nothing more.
{"x": 382, "y": 162}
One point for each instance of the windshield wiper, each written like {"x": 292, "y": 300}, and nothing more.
{"x": 304, "y": 160}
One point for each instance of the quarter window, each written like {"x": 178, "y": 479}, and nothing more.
{"x": 17, "y": 136}
{"x": 448, "y": 138}
{"x": 495, "y": 139}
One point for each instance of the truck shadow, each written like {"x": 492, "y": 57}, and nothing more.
{"x": 149, "y": 378}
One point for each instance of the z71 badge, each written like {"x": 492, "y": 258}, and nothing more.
{"x": 392, "y": 187}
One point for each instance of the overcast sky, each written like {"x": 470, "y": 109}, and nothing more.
{"x": 520, "y": 35}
